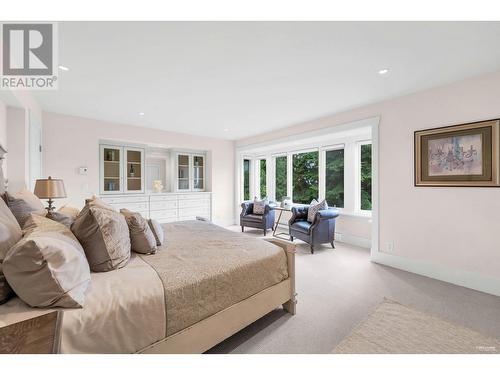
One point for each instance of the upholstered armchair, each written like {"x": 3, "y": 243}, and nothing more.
{"x": 322, "y": 230}
{"x": 249, "y": 219}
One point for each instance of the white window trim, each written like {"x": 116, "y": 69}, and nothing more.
{"x": 326, "y": 138}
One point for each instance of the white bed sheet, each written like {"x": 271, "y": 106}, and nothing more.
{"x": 124, "y": 312}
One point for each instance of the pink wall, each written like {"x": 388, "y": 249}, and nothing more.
{"x": 453, "y": 228}
{"x": 72, "y": 142}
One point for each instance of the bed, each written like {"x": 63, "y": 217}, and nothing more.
{"x": 204, "y": 285}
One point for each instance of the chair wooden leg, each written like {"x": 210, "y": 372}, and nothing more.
{"x": 265, "y": 232}
{"x": 312, "y": 249}
{"x": 291, "y": 238}
{"x": 333, "y": 246}
{"x": 242, "y": 229}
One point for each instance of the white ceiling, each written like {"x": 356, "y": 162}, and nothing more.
{"x": 252, "y": 77}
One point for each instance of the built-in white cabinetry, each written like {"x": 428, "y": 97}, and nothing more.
{"x": 121, "y": 169}
{"x": 190, "y": 173}
{"x": 166, "y": 207}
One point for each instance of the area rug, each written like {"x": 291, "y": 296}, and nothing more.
{"x": 397, "y": 329}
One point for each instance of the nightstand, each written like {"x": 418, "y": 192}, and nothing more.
{"x": 39, "y": 335}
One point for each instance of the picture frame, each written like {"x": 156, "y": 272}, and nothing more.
{"x": 458, "y": 155}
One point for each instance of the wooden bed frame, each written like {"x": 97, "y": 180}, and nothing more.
{"x": 208, "y": 332}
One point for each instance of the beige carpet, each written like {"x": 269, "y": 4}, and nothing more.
{"x": 397, "y": 329}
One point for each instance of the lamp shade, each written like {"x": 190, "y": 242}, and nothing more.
{"x": 49, "y": 188}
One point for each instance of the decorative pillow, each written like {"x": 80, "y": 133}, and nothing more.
{"x": 94, "y": 201}
{"x": 259, "y": 206}
{"x": 104, "y": 236}
{"x": 6, "y": 292}
{"x": 24, "y": 203}
{"x": 69, "y": 211}
{"x": 10, "y": 231}
{"x": 62, "y": 218}
{"x": 141, "y": 237}
{"x": 48, "y": 266}
{"x": 314, "y": 208}
{"x": 157, "y": 230}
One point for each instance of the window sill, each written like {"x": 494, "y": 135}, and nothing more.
{"x": 357, "y": 214}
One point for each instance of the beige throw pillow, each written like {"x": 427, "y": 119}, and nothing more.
{"x": 10, "y": 231}
{"x": 24, "y": 203}
{"x": 157, "y": 230}
{"x": 141, "y": 237}
{"x": 314, "y": 208}
{"x": 48, "y": 266}
{"x": 104, "y": 236}
{"x": 259, "y": 206}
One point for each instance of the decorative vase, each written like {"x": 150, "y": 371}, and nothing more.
{"x": 157, "y": 186}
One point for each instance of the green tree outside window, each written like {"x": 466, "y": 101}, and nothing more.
{"x": 334, "y": 177}
{"x": 366, "y": 177}
{"x": 305, "y": 177}
{"x": 281, "y": 177}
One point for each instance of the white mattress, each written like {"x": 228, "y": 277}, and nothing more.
{"x": 124, "y": 312}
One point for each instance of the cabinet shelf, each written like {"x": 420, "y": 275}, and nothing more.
{"x": 117, "y": 161}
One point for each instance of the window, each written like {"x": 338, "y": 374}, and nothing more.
{"x": 305, "y": 177}
{"x": 262, "y": 179}
{"x": 246, "y": 179}
{"x": 334, "y": 177}
{"x": 366, "y": 176}
{"x": 280, "y": 177}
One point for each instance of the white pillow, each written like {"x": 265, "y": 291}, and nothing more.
{"x": 10, "y": 231}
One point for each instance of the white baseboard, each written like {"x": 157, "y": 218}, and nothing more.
{"x": 463, "y": 278}
{"x": 353, "y": 240}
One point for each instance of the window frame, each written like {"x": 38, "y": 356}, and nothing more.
{"x": 357, "y": 200}
{"x": 250, "y": 179}
{"x": 273, "y": 175}
{"x": 290, "y": 168}
{"x": 322, "y": 163}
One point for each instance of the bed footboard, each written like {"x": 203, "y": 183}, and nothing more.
{"x": 291, "y": 305}
{"x": 209, "y": 332}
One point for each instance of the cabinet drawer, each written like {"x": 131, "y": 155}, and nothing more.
{"x": 194, "y": 211}
{"x": 163, "y": 198}
{"x": 195, "y": 203}
{"x": 163, "y": 205}
{"x": 136, "y": 207}
{"x": 194, "y": 196}
{"x": 133, "y": 199}
{"x": 157, "y": 215}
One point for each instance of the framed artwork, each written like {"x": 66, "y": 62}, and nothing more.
{"x": 458, "y": 155}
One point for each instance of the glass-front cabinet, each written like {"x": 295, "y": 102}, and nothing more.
{"x": 121, "y": 169}
{"x": 190, "y": 172}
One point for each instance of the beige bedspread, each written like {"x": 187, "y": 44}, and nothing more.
{"x": 205, "y": 269}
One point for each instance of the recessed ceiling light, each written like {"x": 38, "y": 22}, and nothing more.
{"x": 383, "y": 71}
{"x": 141, "y": 113}
{"x": 62, "y": 67}
{"x": 226, "y": 129}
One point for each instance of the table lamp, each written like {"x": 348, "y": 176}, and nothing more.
{"x": 50, "y": 188}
